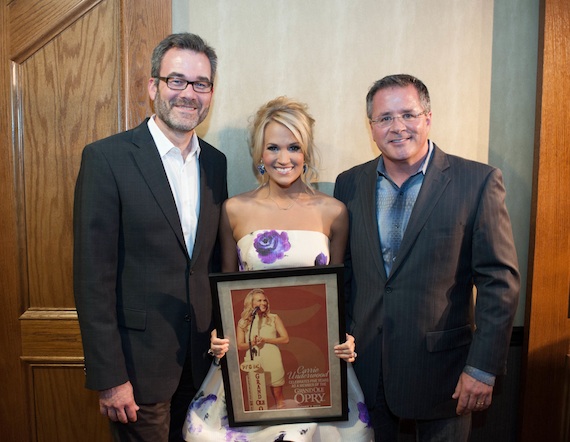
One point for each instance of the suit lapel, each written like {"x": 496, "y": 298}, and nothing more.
{"x": 204, "y": 220}
{"x": 152, "y": 169}
{"x": 435, "y": 182}
{"x": 370, "y": 217}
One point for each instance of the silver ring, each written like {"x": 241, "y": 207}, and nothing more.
{"x": 354, "y": 354}
{"x": 211, "y": 352}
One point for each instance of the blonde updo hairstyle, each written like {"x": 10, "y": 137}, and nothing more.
{"x": 294, "y": 116}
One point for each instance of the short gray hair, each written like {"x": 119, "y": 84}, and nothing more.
{"x": 398, "y": 80}
{"x": 185, "y": 40}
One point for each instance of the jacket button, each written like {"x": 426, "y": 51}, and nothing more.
{"x": 187, "y": 318}
{"x": 388, "y": 290}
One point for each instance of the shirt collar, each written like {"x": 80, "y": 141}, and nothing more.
{"x": 381, "y": 169}
{"x": 164, "y": 145}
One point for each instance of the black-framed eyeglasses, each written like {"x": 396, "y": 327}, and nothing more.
{"x": 179, "y": 84}
{"x": 387, "y": 120}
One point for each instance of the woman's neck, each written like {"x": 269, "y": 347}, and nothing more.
{"x": 291, "y": 191}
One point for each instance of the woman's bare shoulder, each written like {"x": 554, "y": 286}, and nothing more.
{"x": 329, "y": 202}
{"x": 241, "y": 201}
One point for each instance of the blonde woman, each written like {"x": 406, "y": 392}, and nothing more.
{"x": 268, "y": 333}
{"x": 282, "y": 223}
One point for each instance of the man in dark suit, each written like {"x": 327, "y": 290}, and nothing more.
{"x": 147, "y": 205}
{"x": 425, "y": 227}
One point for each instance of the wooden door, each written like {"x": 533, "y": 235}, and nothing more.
{"x": 73, "y": 71}
{"x": 545, "y": 404}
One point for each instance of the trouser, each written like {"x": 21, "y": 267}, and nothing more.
{"x": 152, "y": 424}
{"x": 161, "y": 422}
{"x": 386, "y": 424}
{"x": 386, "y": 427}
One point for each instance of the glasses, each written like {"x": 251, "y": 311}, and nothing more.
{"x": 387, "y": 120}
{"x": 179, "y": 84}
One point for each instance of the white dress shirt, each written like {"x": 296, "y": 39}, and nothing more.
{"x": 184, "y": 178}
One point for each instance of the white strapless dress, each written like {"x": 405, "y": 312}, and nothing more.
{"x": 207, "y": 417}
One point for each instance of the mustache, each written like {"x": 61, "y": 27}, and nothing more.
{"x": 185, "y": 102}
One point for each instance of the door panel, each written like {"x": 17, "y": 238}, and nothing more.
{"x": 33, "y": 24}
{"x": 73, "y": 71}
{"x": 61, "y": 414}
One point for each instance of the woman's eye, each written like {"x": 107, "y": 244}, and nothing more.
{"x": 295, "y": 148}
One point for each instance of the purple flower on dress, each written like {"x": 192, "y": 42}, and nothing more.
{"x": 363, "y": 415}
{"x": 203, "y": 400}
{"x": 271, "y": 246}
{"x": 199, "y": 402}
{"x": 321, "y": 260}
{"x": 236, "y": 436}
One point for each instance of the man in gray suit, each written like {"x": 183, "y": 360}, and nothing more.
{"x": 147, "y": 205}
{"x": 425, "y": 227}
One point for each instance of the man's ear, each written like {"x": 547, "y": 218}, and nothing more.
{"x": 152, "y": 88}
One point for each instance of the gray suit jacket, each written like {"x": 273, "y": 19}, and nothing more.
{"x": 139, "y": 296}
{"x": 420, "y": 318}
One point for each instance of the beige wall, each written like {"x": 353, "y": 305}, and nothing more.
{"x": 478, "y": 60}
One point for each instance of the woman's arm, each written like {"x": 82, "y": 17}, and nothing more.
{"x": 282, "y": 335}
{"x": 218, "y": 346}
{"x": 241, "y": 339}
{"x": 339, "y": 239}
{"x": 339, "y": 233}
{"x": 227, "y": 242}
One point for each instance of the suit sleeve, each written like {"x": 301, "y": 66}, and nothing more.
{"x": 96, "y": 226}
{"x": 496, "y": 276}
{"x": 340, "y": 195}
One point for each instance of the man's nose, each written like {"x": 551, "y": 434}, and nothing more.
{"x": 189, "y": 92}
{"x": 397, "y": 124}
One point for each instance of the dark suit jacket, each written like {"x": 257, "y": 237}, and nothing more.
{"x": 420, "y": 318}
{"x": 139, "y": 296}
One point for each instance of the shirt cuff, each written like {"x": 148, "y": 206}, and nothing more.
{"x": 480, "y": 375}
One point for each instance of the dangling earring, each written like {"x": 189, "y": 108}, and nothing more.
{"x": 305, "y": 167}
{"x": 261, "y": 168}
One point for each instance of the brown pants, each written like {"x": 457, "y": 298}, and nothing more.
{"x": 152, "y": 425}
{"x": 160, "y": 422}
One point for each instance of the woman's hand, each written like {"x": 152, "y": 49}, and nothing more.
{"x": 218, "y": 346}
{"x": 346, "y": 350}
{"x": 259, "y": 341}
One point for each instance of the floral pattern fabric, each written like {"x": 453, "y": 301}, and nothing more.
{"x": 207, "y": 418}
{"x": 271, "y": 246}
{"x": 273, "y": 249}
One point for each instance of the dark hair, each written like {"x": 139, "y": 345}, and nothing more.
{"x": 183, "y": 40}
{"x": 399, "y": 80}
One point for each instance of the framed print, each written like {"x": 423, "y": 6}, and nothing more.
{"x": 282, "y": 326}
